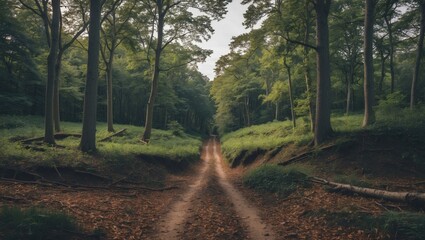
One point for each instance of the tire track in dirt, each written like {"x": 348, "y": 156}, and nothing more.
{"x": 172, "y": 224}
{"x": 249, "y": 215}
{"x": 212, "y": 208}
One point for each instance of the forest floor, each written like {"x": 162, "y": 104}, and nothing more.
{"x": 207, "y": 201}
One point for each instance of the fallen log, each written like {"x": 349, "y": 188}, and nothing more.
{"x": 113, "y": 135}
{"x": 414, "y": 198}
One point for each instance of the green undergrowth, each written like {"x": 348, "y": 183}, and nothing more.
{"x": 33, "y": 223}
{"x": 265, "y": 136}
{"x": 391, "y": 119}
{"x": 276, "y": 179}
{"x": 277, "y": 134}
{"x": 126, "y": 148}
{"x": 395, "y": 225}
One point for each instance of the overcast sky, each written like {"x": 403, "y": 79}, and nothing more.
{"x": 225, "y": 29}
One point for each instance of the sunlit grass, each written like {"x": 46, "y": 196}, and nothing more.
{"x": 265, "y": 136}
{"x": 128, "y": 146}
{"x": 276, "y": 134}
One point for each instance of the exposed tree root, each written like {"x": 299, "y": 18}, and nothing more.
{"x": 305, "y": 155}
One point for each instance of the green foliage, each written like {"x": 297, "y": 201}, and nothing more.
{"x": 264, "y": 136}
{"x": 164, "y": 144}
{"x": 404, "y": 225}
{"x": 275, "y": 179}
{"x": 392, "y": 102}
{"x": 276, "y": 134}
{"x": 397, "y": 225}
{"x": 35, "y": 224}
{"x": 176, "y": 128}
{"x": 347, "y": 124}
{"x": 390, "y": 114}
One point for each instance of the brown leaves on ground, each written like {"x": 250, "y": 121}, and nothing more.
{"x": 120, "y": 214}
{"x": 212, "y": 216}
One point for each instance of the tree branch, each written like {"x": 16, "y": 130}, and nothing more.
{"x": 299, "y": 42}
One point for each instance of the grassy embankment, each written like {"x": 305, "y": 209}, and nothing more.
{"x": 395, "y": 143}
{"x": 120, "y": 151}
{"x": 124, "y": 156}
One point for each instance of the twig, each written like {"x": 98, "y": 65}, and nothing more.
{"x": 93, "y": 174}
{"x": 381, "y": 205}
{"x": 57, "y": 171}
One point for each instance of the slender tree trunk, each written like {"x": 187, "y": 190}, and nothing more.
{"x": 369, "y": 95}
{"x": 307, "y": 74}
{"x": 51, "y": 62}
{"x": 276, "y": 116}
{"x": 154, "y": 85}
{"x": 246, "y": 107}
{"x": 88, "y": 138}
{"x": 291, "y": 100}
{"x": 56, "y": 108}
{"x": 110, "y": 113}
{"x": 381, "y": 80}
{"x": 349, "y": 91}
{"x": 323, "y": 102}
{"x": 391, "y": 54}
{"x": 418, "y": 56}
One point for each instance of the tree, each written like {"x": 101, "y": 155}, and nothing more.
{"x": 113, "y": 34}
{"x": 76, "y": 22}
{"x": 323, "y": 102}
{"x": 419, "y": 51}
{"x": 389, "y": 12}
{"x": 51, "y": 73}
{"x": 173, "y": 20}
{"x": 88, "y": 138}
{"x": 369, "y": 94}
{"x": 347, "y": 28}
{"x": 75, "y": 19}
{"x": 323, "y": 127}
{"x": 19, "y": 76}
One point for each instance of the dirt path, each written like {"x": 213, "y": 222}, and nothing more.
{"x": 212, "y": 208}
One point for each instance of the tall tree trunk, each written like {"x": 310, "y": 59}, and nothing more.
{"x": 369, "y": 95}
{"x": 109, "y": 105}
{"x": 88, "y": 138}
{"x": 56, "y": 109}
{"x": 418, "y": 56}
{"x": 323, "y": 102}
{"x": 51, "y": 62}
{"x": 291, "y": 100}
{"x": 154, "y": 85}
{"x": 307, "y": 74}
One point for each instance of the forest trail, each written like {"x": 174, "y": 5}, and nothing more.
{"x": 212, "y": 208}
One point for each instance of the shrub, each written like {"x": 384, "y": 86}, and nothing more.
{"x": 404, "y": 225}
{"x": 275, "y": 179}
{"x": 397, "y": 225}
{"x": 176, "y": 128}
{"x": 35, "y": 224}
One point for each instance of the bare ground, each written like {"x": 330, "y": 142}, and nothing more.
{"x": 209, "y": 203}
